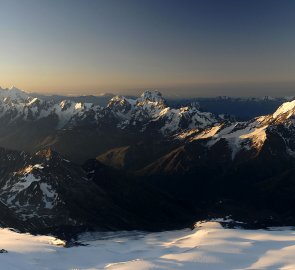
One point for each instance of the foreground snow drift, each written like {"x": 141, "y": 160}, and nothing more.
{"x": 209, "y": 246}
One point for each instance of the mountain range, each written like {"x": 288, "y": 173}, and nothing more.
{"x": 140, "y": 163}
{"x": 32, "y": 124}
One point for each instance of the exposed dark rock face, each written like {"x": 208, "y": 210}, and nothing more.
{"x": 45, "y": 193}
{"x": 156, "y": 167}
{"x": 229, "y": 169}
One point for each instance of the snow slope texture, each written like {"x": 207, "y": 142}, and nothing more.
{"x": 208, "y": 247}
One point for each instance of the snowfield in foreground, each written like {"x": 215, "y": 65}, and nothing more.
{"x": 207, "y": 247}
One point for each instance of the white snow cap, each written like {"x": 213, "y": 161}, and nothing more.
{"x": 13, "y": 93}
{"x": 284, "y": 108}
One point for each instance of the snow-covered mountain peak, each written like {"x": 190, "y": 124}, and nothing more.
{"x": 17, "y": 92}
{"x": 121, "y": 105}
{"x": 251, "y": 135}
{"x": 151, "y": 96}
{"x": 287, "y": 109}
{"x": 13, "y": 88}
{"x": 150, "y": 109}
{"x": 120, "y": 101}
{"x": 14, "y": 94}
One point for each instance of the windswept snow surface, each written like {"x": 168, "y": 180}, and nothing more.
{"x": 207, "y": 247}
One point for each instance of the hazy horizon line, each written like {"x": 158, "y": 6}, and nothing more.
{"x": 164, "y": 91}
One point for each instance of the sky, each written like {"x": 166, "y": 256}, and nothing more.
{"x": 181, "y": 47}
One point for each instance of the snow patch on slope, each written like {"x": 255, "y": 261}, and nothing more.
{"x": 49, "y": 195}
{"x": 257, "y": 136}
{"x": 208, "y": 133}
{"x": 24, "y": 185}
{"x": 238, "y": 135}
{"x": 25, "y": 182}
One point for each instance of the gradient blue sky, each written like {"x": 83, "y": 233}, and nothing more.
{"x": 182, "y": 47}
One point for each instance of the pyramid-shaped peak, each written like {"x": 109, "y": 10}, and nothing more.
{"x": 17, "y": 90}
{"x": 13, "y": 88}
{"x": 152, "y": 95}
{"x": 13, "y": 93}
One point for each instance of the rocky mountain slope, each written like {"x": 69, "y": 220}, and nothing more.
{"x": 45, "y": 192}
{"x": 32, "y": 124}
{"x": 156, "y": 167}
{"x": 230, "y": 168}
{"x": 234, "y": 142}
